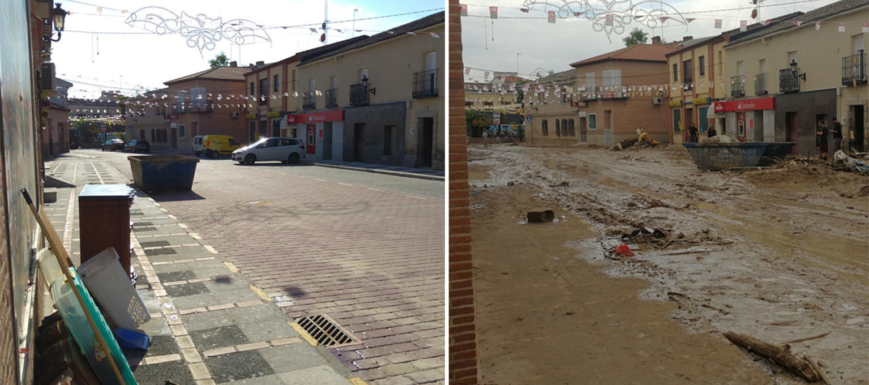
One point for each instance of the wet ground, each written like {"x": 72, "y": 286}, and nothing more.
{"x": 778, "y": 254}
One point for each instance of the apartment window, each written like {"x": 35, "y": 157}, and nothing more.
{"x": 792, "y": 57}
{"x": 557, "y": 127}
{"x": 263, "y": 91}
{"x": 740, "y": 68}
{"x": 252, "y": 89}
{"x": 589, "y": 80}
{"x": 313, "y": 85}
{"x": 702, "y": 61}
{"x": 688, "y": 71}
{"x": 572, "y": 128}
{"x": 197, "y": 97}
{"x": 592, "y": 121}
{"x": 180, "y": 95}
{"x": 545, "y": 128}
{"x": 761, "y": 66}
{"x": 675, "y": 73}
{"x": 363, "y": 73}
{"x": 389, "y": 142}
{"x": 612, "y": 78}
{"x": 293, "y": 79}
{"x": 277, "y": 85}
{"x": 181, "y": 132}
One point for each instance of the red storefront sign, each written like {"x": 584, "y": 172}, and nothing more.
{"x": 325, "y": 116}
{"x": 745, "y": 105}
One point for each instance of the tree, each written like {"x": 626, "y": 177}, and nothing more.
{"x": 637, "y": 36}
{"x": 219, "y": 61}
{"x": 478, "y": 121}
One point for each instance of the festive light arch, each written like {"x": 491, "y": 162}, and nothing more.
{"x": 202, "y": 32}
{"x": 612, "y": 16}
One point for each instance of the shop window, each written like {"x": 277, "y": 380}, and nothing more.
{"x": 557, "y": 127}
{"x": 545, "y": 125}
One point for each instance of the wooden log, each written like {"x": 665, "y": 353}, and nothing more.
{"x": 780, "y": 356}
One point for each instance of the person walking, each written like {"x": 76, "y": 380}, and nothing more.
{"x": 836, "y": 136}
{"x": 485, "y": 138}
{"x": 712, "y": 133}
{"x": 693, "y": 133}
{"x": 821, "y": 139}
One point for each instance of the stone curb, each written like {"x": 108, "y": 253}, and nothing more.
{"x": 384, "y": 172}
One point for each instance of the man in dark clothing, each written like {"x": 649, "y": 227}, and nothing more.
{"x": 836, "y": 133}
{"x": 821, "y": 139}
{"x": 712, "y": 132}
{"x": 693, "y": 133}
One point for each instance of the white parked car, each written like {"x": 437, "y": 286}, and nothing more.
{"x": 285, "y": 150}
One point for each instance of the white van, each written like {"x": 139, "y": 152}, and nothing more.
{"x": 197, "y": 144}
{"x": 285, "y": 150}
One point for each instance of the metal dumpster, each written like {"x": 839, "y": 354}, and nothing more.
{"x": 163, "y": 172}
{"x": 721, "y": 156}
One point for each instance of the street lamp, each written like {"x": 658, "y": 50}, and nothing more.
{"x": 796, "y": 71}
{"x": 59, "y": 17}
{"x": 365, "y": 85}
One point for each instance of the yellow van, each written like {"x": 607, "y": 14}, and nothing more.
{"x": 214, "y": 145}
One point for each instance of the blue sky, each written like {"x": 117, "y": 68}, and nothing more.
{"x": 147, "y": 60}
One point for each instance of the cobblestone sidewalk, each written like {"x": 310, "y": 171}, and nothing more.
{"x": 208, "y": 325}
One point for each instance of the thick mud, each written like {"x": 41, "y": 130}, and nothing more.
{"x": 778, "y": 254}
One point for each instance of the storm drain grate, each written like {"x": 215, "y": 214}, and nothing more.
{"x": 326, "y": 331}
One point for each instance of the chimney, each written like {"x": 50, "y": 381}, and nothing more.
{"x": 656, "y": 40}
{"x": 686, "y": 38}
{"x": 260, "y": 63}
{"x": 233, "y": 64}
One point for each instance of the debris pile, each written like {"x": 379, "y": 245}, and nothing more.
{"x": 643, "y": 140}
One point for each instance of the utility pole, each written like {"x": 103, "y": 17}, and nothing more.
{"x": 325, "y": 24}
{"x": 517, "y": 63}
{"x": 353, "y": 33}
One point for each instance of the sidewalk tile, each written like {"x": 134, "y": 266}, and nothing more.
{"x": 321, "y": 375}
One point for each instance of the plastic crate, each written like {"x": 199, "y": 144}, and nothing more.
{"x": 105, "y": 280}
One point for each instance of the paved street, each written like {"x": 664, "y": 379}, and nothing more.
{"x": 365, "y": 249}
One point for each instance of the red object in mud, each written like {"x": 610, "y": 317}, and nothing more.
{"x": 624, "y": 250}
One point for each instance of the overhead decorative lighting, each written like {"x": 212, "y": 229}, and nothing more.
{"x": 202, "y": 32}
{"x": 612, "y": 16}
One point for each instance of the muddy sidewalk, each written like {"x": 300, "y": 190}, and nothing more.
{"x": 776, "y": 254}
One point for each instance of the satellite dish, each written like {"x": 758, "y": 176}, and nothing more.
{"x": 754, "y": 13}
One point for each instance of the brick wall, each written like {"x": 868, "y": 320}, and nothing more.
{"x": 8, "y": 365}
{"x": 462, "y": 334}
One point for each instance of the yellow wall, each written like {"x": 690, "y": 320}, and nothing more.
{"x": 819, "y": 53}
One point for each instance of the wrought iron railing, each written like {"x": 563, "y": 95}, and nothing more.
{"x": 425, "y": 84}
{"x": 309, "y": 100}
{"x": 788, "y": 81}
{"x": 737, "y": 86}
{"x": 331, "y": 97}
{"x": 854, "y": 70}
{"x": 760, "y": 84}
{"x": 358, "y": 95}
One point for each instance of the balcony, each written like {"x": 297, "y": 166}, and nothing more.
{"x": 358, "y": 95}
{"x": 737, "y": 86}
{"x": 194, "y": 109}
{"x": 854, "y": 70}
{"x": 788, "y": 81}
{"x": 425, "y": 84}
{"x": 309, "y": 100}
{"x": 760, "y": 84}
{"x": 332, "y": 98}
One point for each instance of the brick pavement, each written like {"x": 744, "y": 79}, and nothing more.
{"x": 371, "y": 258}
{"x": 208, "y": 324}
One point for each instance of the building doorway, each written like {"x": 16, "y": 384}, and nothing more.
{"x": 758, "y": 126}
{"x": 359, "y": 142}
{"x": 251, "y": 132}
{"x": 425, "y": 142}
{"x": 677, "y": 125}
{"x": 174, "y": 138}
{"x": 583, "y": 130}
{"x": 327, "y": 141}
{"x": 792, "y": 132}
{"x": 141, "y": 134}
{"x": 276, "y": 127}
{"x": 858, "y": 127}
{"x": 311, "y": 147}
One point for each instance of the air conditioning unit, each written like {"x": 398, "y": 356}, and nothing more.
{"x": 657, "y": 100}
{"x": 47, "y": 81}
{"x": 234, "y": 115}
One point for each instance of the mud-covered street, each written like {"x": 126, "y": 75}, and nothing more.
{"x": 779, "y": 254}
